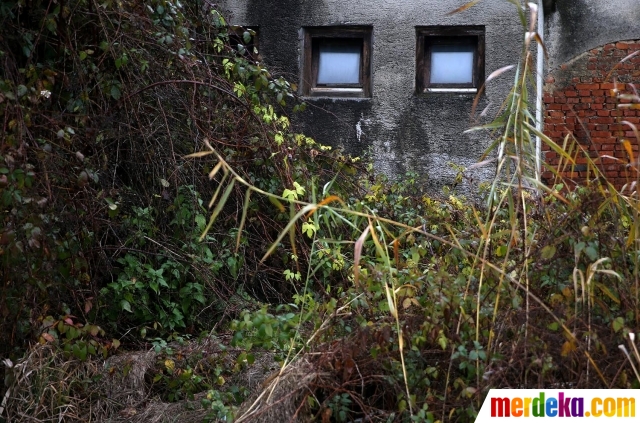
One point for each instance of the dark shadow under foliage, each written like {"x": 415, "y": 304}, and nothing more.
{"x": 100, "y": 102}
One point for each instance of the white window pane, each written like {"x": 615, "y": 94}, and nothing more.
{"x": 452, "y": 64}
{"x": 339, "y": 63}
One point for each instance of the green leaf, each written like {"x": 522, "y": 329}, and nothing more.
{"x": 442, "y": 340}
{"x": 200, "y": 222}
{"x": 548, "y": 252}
{"x": 163, "y": 282}
{"x": 121, "y": 61}
{"x": 51, "y": 25}
{"x": 299, "y": 188}
{"x": 501, "y": 251}
{"x": 591, "y": 252}
{"x": 126, "y": 306}
{"x": 80, "y": 351}
{"x": 617, "y": 324}
{"x": 72, "y": 333}
{"x": 115, "y": 92}
{"x": 309, "y": 229}
{"x": 516, "y": 302}
{"x": 22, "y": 90}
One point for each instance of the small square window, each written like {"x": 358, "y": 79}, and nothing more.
{"x": 337, "y": 61}
{"x": 449, "y": 59}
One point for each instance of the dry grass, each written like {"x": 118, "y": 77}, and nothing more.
{"x": 162, "y": 412}
{"x": 282, "y": 397}
{"x": 46, "y": 386}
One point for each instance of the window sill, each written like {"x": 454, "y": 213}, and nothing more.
{"x": 337, "y": 92}
{"x": 450, "y": 90}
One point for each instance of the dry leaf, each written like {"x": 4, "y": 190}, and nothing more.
{"x": 464, "y": 7}
{"x": 406, "y": 303}
{"x": 567, "y": 348}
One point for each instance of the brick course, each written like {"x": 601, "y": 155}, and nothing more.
{"x": 589, "y": 98}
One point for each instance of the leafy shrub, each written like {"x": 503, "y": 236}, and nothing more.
{"x": 95, "y": 192}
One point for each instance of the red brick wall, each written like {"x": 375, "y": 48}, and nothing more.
{"x": 583, "y": 98}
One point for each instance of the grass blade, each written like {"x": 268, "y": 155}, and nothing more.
{"x": 358, "y": 254}
{"x": 464, "y": 7}
{"x": 198, "y": 154}
{"x": 285, "y": 231}
{"x": 219, "y": 207}
{"x": 277, "y": 203}
{"x": 215, "y": 195}
{"x": 292, "y": 234}
{"x": 499, "y": 72}
{"x": 245, "y": 208}
{"x": 330, "y": 199}
{"x": 215, "y": 170}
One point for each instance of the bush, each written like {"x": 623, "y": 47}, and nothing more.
{"x": 101, "y": 214}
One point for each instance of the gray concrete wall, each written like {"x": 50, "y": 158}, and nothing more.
{"x": 577, "y": 26}
{"x": 402, "y": 130}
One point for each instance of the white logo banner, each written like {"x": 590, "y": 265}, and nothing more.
{"x": 540, "y": 405}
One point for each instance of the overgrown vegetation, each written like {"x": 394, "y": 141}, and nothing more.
{"x": 101, "y": 214}
{"x": 291, "y": 293}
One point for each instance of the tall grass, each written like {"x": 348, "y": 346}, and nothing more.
{"x": 549, "y": 271}
{"x": 538, "y": 299}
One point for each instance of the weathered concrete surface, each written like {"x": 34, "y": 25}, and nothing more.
{"x": 578, "y": 26}
{"x": 403, "y": 131}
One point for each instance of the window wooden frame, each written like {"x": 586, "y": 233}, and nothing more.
{"x": 313, "y": 38}
{"x": 429, "y": 36}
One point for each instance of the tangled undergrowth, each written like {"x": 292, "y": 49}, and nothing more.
{"x": 292, "y": 293}
{"x": 101, "y": 214}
